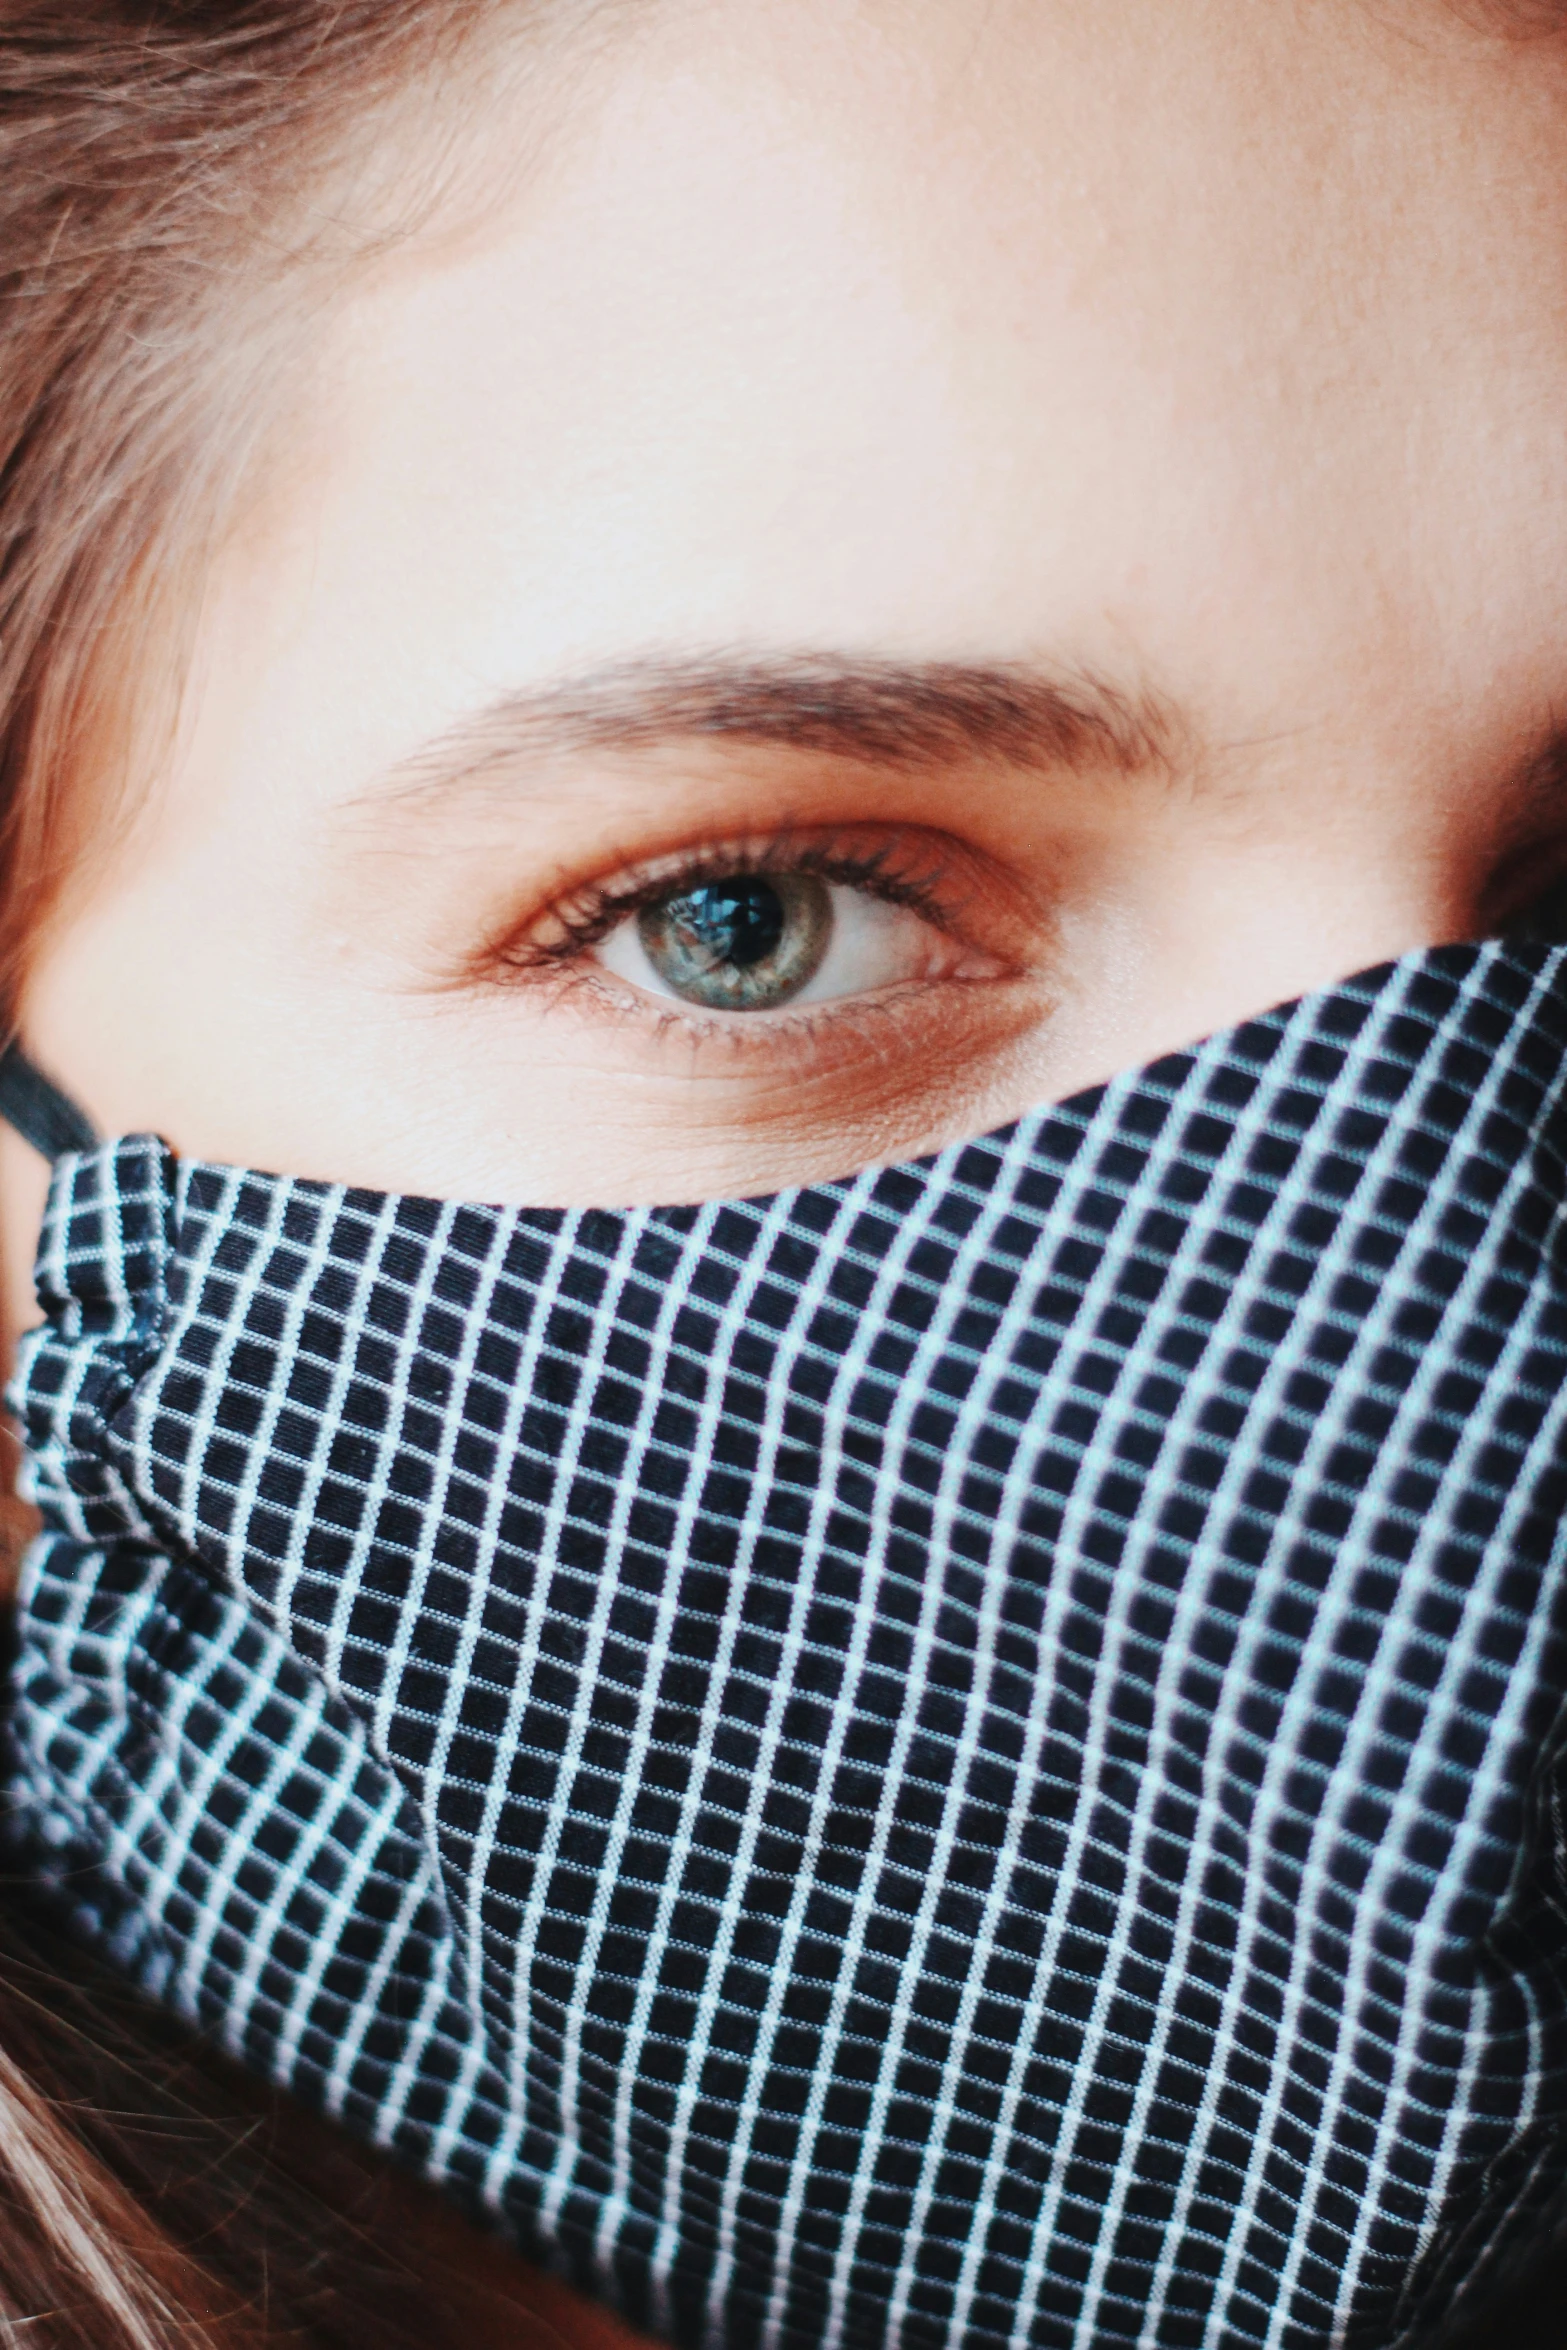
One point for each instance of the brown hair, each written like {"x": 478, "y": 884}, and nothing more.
{"x": 154, "y": 160}
{"x": 157, "y": 162}
{"x": 151, "y": 2195}
{"x": 166, "y": 173}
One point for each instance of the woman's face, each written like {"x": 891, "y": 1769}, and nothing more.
{"x": 919, "y": 554}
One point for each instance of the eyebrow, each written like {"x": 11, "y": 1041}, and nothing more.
{"x": 893, "y": 715}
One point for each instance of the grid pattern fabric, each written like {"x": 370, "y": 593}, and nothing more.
{"x": 966, "y": 1757}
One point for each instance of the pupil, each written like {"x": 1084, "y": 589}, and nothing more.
{"x": 739, "y": 922}
{"x": 744, "y": 943}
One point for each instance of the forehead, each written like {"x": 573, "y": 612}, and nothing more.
{"x": 1227, "y": 332}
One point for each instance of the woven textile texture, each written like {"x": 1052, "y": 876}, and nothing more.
{"x": 970, "y": 1756}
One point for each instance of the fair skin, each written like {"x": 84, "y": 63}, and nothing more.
{"x": 1086, "y": 484}
{"x": 1205, "y": 360}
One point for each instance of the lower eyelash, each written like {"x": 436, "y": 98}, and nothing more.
{"x": 876, "y": 1018}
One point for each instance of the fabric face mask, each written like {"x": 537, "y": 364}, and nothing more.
{"x": 967, "y": 1756}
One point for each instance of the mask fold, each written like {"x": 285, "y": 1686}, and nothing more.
{"x": 970, "y": 1756}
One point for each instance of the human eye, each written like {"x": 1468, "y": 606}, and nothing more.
{"x": 728, "y": 1011}
{"x": 731, "y": 933}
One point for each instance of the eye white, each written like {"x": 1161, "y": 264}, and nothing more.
{"x": 874, "y": 945}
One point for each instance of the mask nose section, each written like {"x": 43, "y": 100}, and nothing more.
{"x": 947, "y": 1759}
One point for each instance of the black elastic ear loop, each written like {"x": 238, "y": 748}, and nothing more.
{"x": 1544, "y": 924}
{"x": 39, "y": 1111}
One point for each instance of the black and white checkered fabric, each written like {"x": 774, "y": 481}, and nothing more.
{"x": 970, "y": 1756}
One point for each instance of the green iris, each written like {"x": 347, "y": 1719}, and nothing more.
{"x": 747, "y": 943}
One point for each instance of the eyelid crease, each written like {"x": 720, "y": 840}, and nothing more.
{"x": 590, "y": 914}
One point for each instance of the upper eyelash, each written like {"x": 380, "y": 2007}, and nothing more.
{"x": 589, "y": 914}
